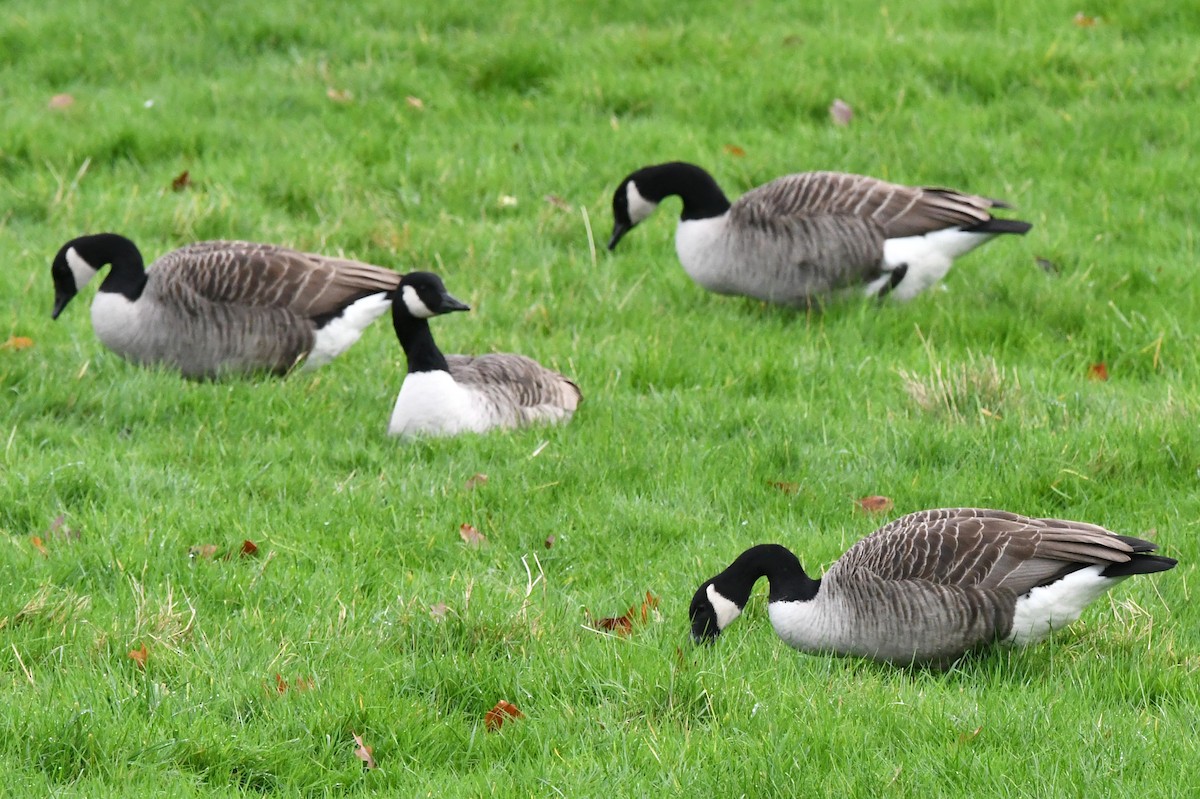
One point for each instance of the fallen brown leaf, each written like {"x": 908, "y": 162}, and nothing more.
{"x": 203, "y": 552}
{"x": 549, "y": 542}
{"x": 139, "y": 656}
{"x": 557, "y": 202}
{"x": 17, "y": 343}
{"x": 470, "y": 536}
{"x": 61, "y": 101}
{"x": 476, "y": 480}
{"x": 787, "y": 488}
{"x": 841, "y": 113}
{"x": 181, "y": 181}
{"x": 1047, "y": 266}
{"x": 1082, "y": 20}
{"x": 500, "y": 713}
{"x": 301, "y": 684}
{"x": 734, "y": 150}
{"x": 623, "y": 625}
{"x": 967, "y": 737}
{"x": 342, "y": 96}
{"x": 1097, "y": 371}
{"x": 414, "y": 102}
{"x": 363, "y": 752}
{"x": 58, "y": 529}
{"x": 875, "y": 504}
{"x": 36, "y": 540}
{"x": 438, "y": 611}
{"x": 249, "y": 549}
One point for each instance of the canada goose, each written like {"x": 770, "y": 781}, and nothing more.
{"x": 217, "y": 307}
{"x": 803, "y": 236}
{"x": 444, "y": 395}
{"x": 932, "y": 585}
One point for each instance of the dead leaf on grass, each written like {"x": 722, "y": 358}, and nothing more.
{"x": 1098, "y": 371}
{"x": 139, "y": 656}
{"x": 249, "y": 549}
{"x": 875, "y": 504}
{"x": 734, "y": 150}
{"x": 549, "y": 542}
{"x": 181, "y": 181}
{"x": 342, "y": 96}
{"x": 841, "y": 113}
{"x": 203, "y": 552}
{"x": 60, "y": 101}
{"x": 36, "y": 540}
{"x": 438, "y": 611}
{"x": 470, "y": 536}
{"x": 16, "y": 343}
{"x": 475, "y": 480}
{"x": 785, "y": 487}
{"x": 363, "y": 752}
{"x": 1082, "y": 20}
{"x": 415, "y": 102}
{"x": 967, "y": 737}
{"x": 623, "y": 624}
{"x": 500, "y": 713}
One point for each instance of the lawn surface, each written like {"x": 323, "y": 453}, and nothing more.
{"x": 483, "y": 141}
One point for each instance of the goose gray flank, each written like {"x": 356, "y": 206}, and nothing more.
{"x": 802, "y": 237}
{"x": 931, "y": 586}
{"x": 219, "y": 307}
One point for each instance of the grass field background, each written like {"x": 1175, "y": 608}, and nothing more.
{"x": 484, "y": 142}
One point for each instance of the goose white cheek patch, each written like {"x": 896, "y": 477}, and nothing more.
{"x": 726, "y": 609}
{"x": 639, "y": 207}
{"x": 413, "y": 302}
{"x": 80, "y": 268}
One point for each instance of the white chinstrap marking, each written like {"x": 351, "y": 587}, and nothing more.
{"x": 415, "y": 306}
{"x": 639, "y": 207}
{"x": 726, "y": 609}
{"x": 81, "y": 270}
{"x": 1052, "y": 607}
{"x": 339, "y": 334}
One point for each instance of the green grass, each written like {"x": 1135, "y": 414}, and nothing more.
{"x": 293, "y": 122}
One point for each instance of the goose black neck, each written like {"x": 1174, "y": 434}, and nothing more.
{"x": 127, "y": 273}
{"x": 416, "y": 339}
{"x": 702, "y": 197}
{"x": 781, "y": 568}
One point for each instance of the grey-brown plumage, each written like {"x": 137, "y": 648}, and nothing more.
{"x": 450, "y": 394}
{"x": 218, "y": 307}
{"x": 803, "y": 236}
{"x": 933, "y": 585}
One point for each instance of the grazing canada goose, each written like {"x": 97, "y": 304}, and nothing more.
{"x": 803, "y": 236}
{"x": 444, "y": 395}
{"x": 217, "y": 307}
{"x": 932, "y": 585}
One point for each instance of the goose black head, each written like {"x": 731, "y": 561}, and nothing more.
{"x": 711, "y": 612}
{"x": 423, "y": 295}
{"x": 79, "y": 260}
{"x": 633, "y": 201}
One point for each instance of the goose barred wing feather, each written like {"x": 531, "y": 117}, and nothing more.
{"x": 265, "y": 275}
{"x": 516, "y": 386}
{"x": 897, "y": 210}
{"x": 980, "y": 548}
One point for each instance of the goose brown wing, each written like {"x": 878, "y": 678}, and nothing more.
{"x": 981, "y": 548}
{"x": 898, "y": 210}
{"x": 266, "y": 275}
{"x": 516, "y": 379}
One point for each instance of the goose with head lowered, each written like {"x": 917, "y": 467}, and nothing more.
{"x": 220, "y": 307}
{"x": 443, "y": 395}
{"x": 802, "y": 237}
{"x": 931, "y": 586}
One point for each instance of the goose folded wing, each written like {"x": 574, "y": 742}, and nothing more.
{"x": 265, "y": 275}
{"x": 982, "y": 548}
{"x": 522, "y": 381}
{"x": 897, "y": 210}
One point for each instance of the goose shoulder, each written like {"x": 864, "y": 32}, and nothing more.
{"x": 265, "y": 275}
{"x": 897, "y": 210}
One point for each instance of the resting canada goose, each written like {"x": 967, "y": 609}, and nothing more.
{"x": 218, "y": 307}
{"x": 444, "y": 395}
{"x": 803, "y": 236}
{"x": 932, "y": 585}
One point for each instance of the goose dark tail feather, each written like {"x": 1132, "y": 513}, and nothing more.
{"x": 995, "y": 225}
{"x": 1140, "y": 564}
